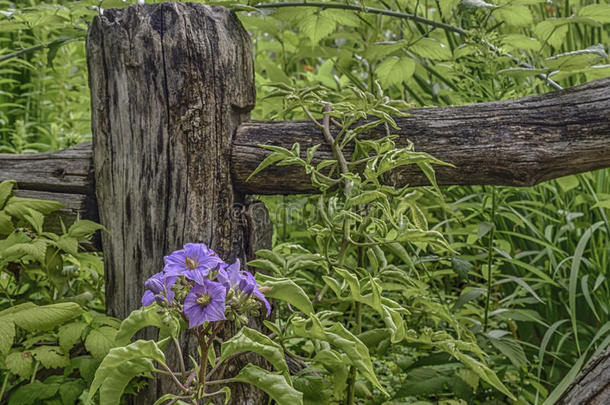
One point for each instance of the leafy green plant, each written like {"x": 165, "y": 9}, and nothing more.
{"x": 52, "y": 331}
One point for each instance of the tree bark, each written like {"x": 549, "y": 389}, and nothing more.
{"x": 170, "y": 83}
{"x": 514, "y": 142}
{"x": 592, "y": 385}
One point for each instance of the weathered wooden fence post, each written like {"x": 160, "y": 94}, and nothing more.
{"x": 170, "y": 83}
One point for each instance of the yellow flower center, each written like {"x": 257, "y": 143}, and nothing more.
{"x": 190, "y": 263}
{"x": 203, "y": 300}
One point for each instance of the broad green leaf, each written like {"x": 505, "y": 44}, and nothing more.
{"x": 69, "y": 334}
{"x": 335, "y": 363}
{"x": 50, "y": 357}
{"x": 515, "y": 15}
{"x": 120, "y": 366}
{"x": 509, "y": 347}
{"x": 317, "y": 26}
{"x": 286, "y": 290}
{"x": 19, "y": 206}
{"x": 519, "y": 41}
{"x": 45, "y": 317}
{"x": 6, "y": 187}
{"x": 596, "y": 12}
{"x": 273, "y": 384}
{"x": 30, "y": 393}
{"x": 70, "y": 391}
{"x": 20, "y": 363}
{"x": 550, "y": 33}
{"x": 602, "y": 204}
{"x": 576, "y": 59}
{"x": 99, "y": 341}
{"x": 7, "y": 335}
{"x": 83, "y": 228}
{"x": 568, "y": 183}
{"x": 250, "y": 340}
{"x": 431, "y": 48}
{"x": 395, "y": 70}
{"x": 144, "y": 317}
{"x": 484, "y": 372}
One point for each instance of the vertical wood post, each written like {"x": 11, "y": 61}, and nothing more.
{"x": 170, "y": 83}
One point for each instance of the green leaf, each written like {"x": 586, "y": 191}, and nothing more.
{"x": 484, "y": 372}
{"x": 20, "y": 363}
{"x": 286, "y": 290}
{"x": 509, "y": 347}
{"x": 51, "y": 357}
{"x": 144, "y": 317}
{"x": 395, "y": 70}
{"x": 99, "y": 341}
{"x": 45, "y": 317}
{"x": 120, "y": 366}
{"x": 597, "y": 12}
{"x": 461, "y": 267}
{"x": 317, "y": 26}
{"x": 30, "y": 393}
{"x": 70, "y": 391}
{"x": 515, "y": 15}
{"x": 568, "y": 183}
{"x": 7, "y": 335}
{"x": 250, "y": 340}
{"x": 577, "y": 60}
{"x": 69, "y": 334}
{"x": 83, "y": 228}
{"x": 431, "y": 48}
{"x": 548, "y": 32}
{"x": 602, "y": 204}
{"x": 6, "y": 188}
{"x": 19, "y": 206}
{"x": 273, "y": 384}
{"x": 518, "y": 41}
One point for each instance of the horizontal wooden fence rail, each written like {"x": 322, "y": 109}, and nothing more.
{"x": 515, "y": 142}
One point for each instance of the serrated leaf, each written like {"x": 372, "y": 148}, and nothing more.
{"x": 461, "y": 267}
{"x": 120, "y": 366}
{"x": 576, "y": 60}
{"x": 70, "y": 391}
{"x": 286, "y": 290}
{"x": 6, "y": 188}
{"x": 7, "y": 336}
{"x": 69, "y": 334}
{"x": 19, "y": 206}
{"x": 597, "y": 12}
{"x": 83, "y": 228}
{"x": 550, "y": 33}
{"x": 99, "y": 341}
{"x": 250, "y": 340}
{"x": 395, "y": 70}
{"x": 343, "y": 17}
{"x": 515, "y": 15}
{"x": 274, "y": 385}
{"x": 44, "y": 317}
{"x": 518, "y": 41}
{"x": 317, "y": 26}
{"x": 431, "y": 48}
{"x": 30, "y": 393}
{"x": 20, "y": 363}
{"x": 50, "y": 357}
{"x": 144, "y": 317}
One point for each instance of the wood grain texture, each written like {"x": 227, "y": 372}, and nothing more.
{"x": 592, "y": 385}
{"x": 515, "y": 142}
{"x": 170, "y": 83}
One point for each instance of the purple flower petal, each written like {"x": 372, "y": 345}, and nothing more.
{"x": 213, "y": 310}
{"x": 148, "y": 298}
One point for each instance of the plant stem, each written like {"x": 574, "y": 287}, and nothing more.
{"x": 182, "y": 367}
{"x": 4, "y": 384}
{"x": 490, "y": 257}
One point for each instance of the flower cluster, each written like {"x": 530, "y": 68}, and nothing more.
{"x": 203, "y": 287}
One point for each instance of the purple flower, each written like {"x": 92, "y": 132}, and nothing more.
{"x": 194, "y": 261}
{"x": 158, "y": 287}
{"x": 242, "y": 281}
{"x": 205, "y": 303}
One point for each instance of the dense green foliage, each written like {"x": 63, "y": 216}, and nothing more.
{"x": 462, "y": 295}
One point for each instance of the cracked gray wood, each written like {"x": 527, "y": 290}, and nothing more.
{"x": 170, "y": 83}
{"x": 592, "y": 385}
{"x": 514, "y": 142}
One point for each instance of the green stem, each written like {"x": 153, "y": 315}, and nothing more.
{"x": 490, "y": 257}
{"x": 4, "y": 383}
